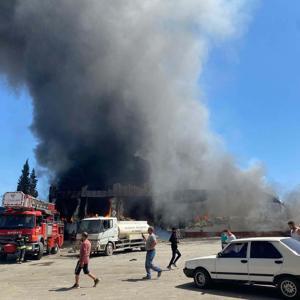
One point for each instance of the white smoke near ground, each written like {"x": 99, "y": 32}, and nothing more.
{"x": 292, "y": 202}
{"x": 116, "y": 95}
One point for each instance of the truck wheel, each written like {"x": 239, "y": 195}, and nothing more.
{"x": 54, "y": 249}
{"x": 289, "y": 287}
{"x": 41, "y": 251}
{"x": 143, "y": 248}
{"x": 109, "y": 249}
{"x": 202, "y": 278}
{"x": 3, "y": 256}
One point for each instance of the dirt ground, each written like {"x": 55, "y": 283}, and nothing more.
{"x": 120, "y": 274}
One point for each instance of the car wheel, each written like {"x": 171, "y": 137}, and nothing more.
{"x": 202, "y": 278}
{"x": 289, "y": 287}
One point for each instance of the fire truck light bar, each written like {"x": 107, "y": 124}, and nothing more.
{"x": 20, "y": 200}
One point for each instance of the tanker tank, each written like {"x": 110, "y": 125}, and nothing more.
{"x": 128, "y": 229}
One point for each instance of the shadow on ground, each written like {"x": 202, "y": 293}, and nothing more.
{"x": 43, "y": 264}
{"x": 66, "y": 289}
{"x": 249, "y": 292}
{"x": 134, "y": 280}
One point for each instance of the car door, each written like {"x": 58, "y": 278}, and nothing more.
{"x": 265, "y": 261}
{"x": 232, "y": 262}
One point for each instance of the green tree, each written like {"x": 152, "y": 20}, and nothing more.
{"x": 24, "y": 180}
{"x": 33, "y": 182}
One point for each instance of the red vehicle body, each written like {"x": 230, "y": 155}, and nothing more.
{"x": 37, "y": 221}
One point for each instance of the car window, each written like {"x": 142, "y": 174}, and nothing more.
{"x": 292, "y": 244}
{"x": 238, "y": 250}
{"x": 107, "y": 224}
{"x": 264, "y": 250}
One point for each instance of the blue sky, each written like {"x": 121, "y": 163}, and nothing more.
{"x": 253, "y": 92}
{"x": 17, "y": 142}
{"x": 252, "y": 89}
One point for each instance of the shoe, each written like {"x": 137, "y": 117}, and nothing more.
{"x": 96, "y": 281}
{"x": 75, "y": 286}
{"x": 169, "y": 268}
{"x": 159, "y": 274}
{"x": 146, "y": 278}
{"x": 174, "y": 265}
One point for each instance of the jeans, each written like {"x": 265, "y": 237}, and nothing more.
{"x": 173, "y": 259}
{"x": 149, "y": 265}
{"x": 21, "y": 255}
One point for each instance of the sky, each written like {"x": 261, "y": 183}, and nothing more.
{"x": 251, "y": 87}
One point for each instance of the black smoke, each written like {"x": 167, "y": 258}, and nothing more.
{"x": 88, "y": 133}
{"x": 115, "y": 91}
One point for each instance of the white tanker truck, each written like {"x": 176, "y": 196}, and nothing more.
{"x": 108, "y": 234}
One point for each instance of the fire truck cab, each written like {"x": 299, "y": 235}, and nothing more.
{"x": 37, "y": 221}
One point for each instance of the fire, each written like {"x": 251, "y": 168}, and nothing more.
{"x": 108, "y": 214}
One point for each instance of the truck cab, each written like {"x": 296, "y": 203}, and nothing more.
{"x": 37, "y": 221}
{"x": 101, "y": 230}
{"x": 107, "y": 234}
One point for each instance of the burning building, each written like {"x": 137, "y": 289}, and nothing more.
{"x": 121, "y": 201}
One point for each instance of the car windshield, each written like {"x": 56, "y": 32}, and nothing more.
{"x": 16, "y": 221}
{"x": 292, "y": 244}
{"x": 90, "y": 226}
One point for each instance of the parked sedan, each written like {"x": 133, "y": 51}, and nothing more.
{"x": 274, "y": 261}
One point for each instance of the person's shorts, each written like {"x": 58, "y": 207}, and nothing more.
{"x": 85, "y": 269}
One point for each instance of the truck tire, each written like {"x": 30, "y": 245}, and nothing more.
{"x": 3, "y": 256}
{"x": 201, "y": 278}
{"x": 41, "y": 251}
{"x": 289, "y": 287}
{"x": 54, "y": 249}
{"x": 143, "y": 248}
{"x": 109, "y": 249}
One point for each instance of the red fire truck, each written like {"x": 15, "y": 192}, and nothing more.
{"x": 37, "y": 221}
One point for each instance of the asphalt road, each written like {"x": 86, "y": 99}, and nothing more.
{"x": 120, "y": 274}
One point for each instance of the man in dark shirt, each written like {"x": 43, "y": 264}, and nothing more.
{"x": 174, "y": 246}
{"x": 21, "y": 247}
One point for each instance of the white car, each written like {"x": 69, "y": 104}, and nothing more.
{"x": 274, "y": 261}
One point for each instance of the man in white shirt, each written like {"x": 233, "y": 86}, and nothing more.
{"x": 150, "y": 247}
{"x": 230, "y": 236}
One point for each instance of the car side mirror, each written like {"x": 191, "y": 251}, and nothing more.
{"x": 219, "y": 254}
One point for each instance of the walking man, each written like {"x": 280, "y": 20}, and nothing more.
{"x": 223, "y": 239}
{"x": 83, "y": 262}
{"x": 295, "y": 230}
{"x": 150, "y": 247}
{"x": 174, "y": 246}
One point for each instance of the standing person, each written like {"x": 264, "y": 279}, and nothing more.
{"x": 21, "y": 247}
{"x": 150, "y": 248}
{"x": 83, "y": 262}
{"x": 230, "y": 236}
{"x": 174, "y": 246}
{"x": 295, "y": 230}
{"x": 223, "y": 239}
